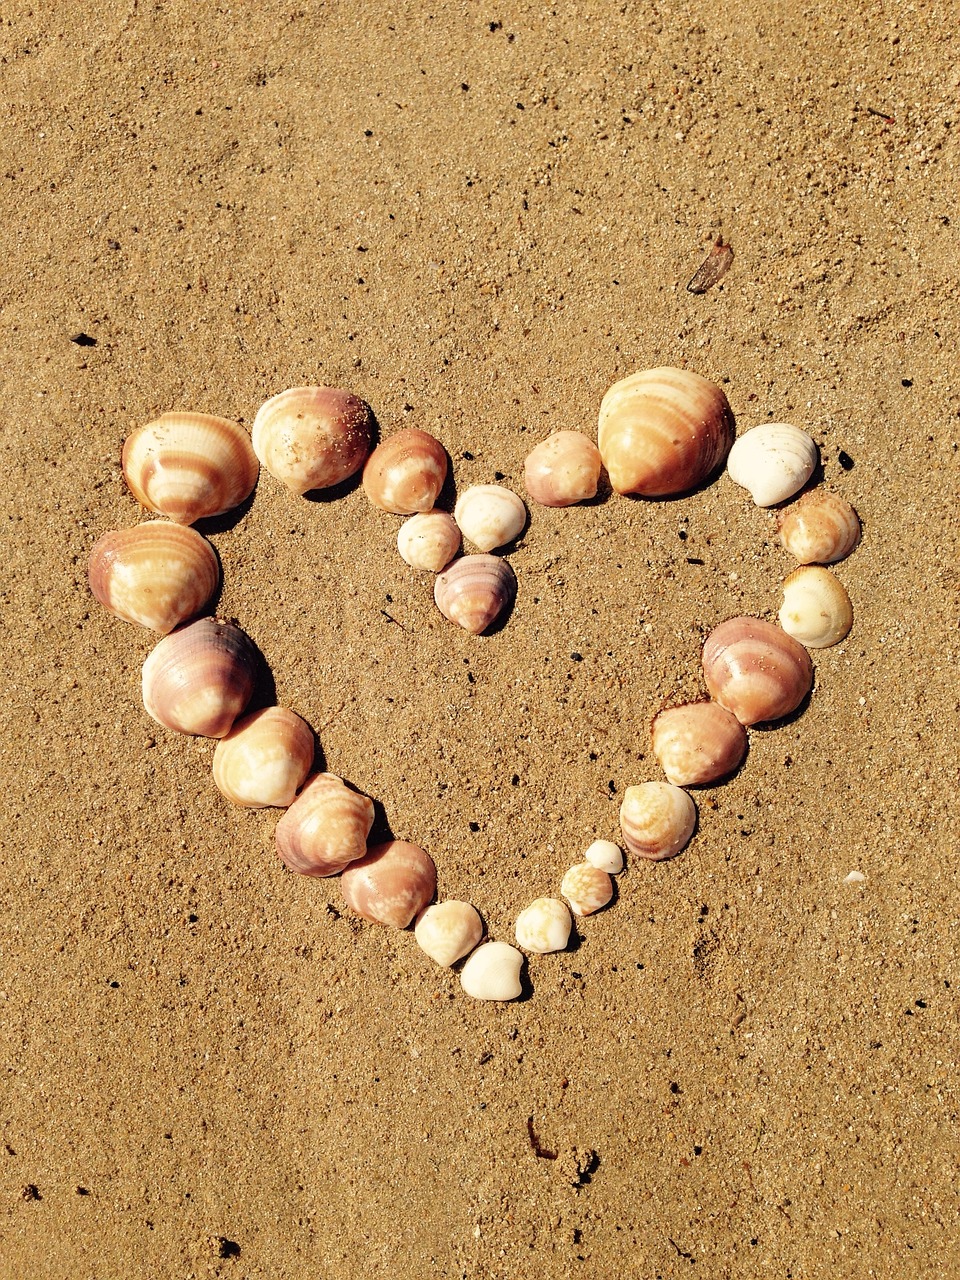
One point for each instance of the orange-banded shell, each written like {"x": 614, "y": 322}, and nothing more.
{"x": 816, "y": 609}
{"x": 326, "y": 827}
{"x": 474, "y": 591}
{"x": 820, "y": 528}
{"x": 698, "y": 743}
{"x": 657, "y": 820}
{"x": 391, "y": 883}
{"x": 562, "y": 470}
{"x": 663, "y": 432}
{"x": 264, "y": 759}
{"x": 313, "y": 437}
{"x": 756, "y": 670}
{"x": 405, "y": 472}
{"x": 199, "y": 678}
{"x": 189, "y": 466}
{"x": 156, "y": 574}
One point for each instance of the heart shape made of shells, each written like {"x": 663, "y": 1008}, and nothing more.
{"x": 661, "y": 432}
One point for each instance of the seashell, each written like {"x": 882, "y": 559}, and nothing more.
{"x": 313, "y": 437}
{"x": 544, "y": 926}
{"x": 586, "y": 888}
{"x": 325, "y": 828}
{"x": 657, "y": 820}
{"x": 663, "y": 431}
{"x": 448, "y": 931}
{"x": 157, "y": 574}
{"x": 189, "y": 466}
{"x": 772, "y": 462}
{"x": 816, "y": 608}
{"x": 405, "y": 472}
{"x": 756, "y": 670}
{"x": 264, "y": 759}
{"x": 562, "y": 470}
{"x": 606, "y": 856}
{"x": 698, "y": 743}
{"x": 391, "y": 884}
{"x": 199, "y": 678}
{"x": 474, "y": 591}
{"x": 821, "y": 528}
{"x": 490, "y": 515}
{"x": 429, "y": 540}
{"x": 493, "y": 972}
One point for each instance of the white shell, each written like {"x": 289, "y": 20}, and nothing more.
{"x": 586, "y": 888}
{"x": 429, "y": 540}
{"x": 490, "y": 516}
{"x": 544, "y": 926}
{"x": 816, "y": 609}
{"x": 447, "y": 931}
{"x": 772, "y": 462}
{"x": 605, "y": 856}
{"x": 492, "y": 972}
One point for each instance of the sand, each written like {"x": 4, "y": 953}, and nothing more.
{"x": 478, "y": 218}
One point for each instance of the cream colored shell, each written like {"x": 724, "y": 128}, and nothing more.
{"x": 562, "y": 470}
{"x": 772, "y": 462}
{"x": 429, "y": 540}
{"x": 606, "y": 856}
{"x": 544, "y": 926}
{"x": 816, "y": 609}
{"x": 657, "y": 820}
{"x": 264, "y": 759}
{"x": 490, "y": 516}
{"x": 492, "y": 972}
{"x": 821, "y": 528}
{"x": 448, "y": 931}
{"x": 586, "y": 888}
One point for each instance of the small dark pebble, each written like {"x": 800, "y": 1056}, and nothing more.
{"x": 694, "y": 560}
{"x": 82, "y": 1191}
{"x": 499, "y": 475}
{"x": 226, "y": 1248}
{"x": 468, "y": 456}
{"x": 845, "y": 460}
{"x": 474, "y": 827}
{"x": 113, "y": 244}
{"x": 576, "y": 657}
{"x": 30, "y": 1192}
{"x": 682, "y": 535}
{"x": 83, "y": 340}
{"x": 906, "y": 382}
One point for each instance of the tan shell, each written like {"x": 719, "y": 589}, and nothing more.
{"x": 772, "y": 462}
{"x": 544, "y": 926}
{"x": 390, "y": 884}
{"x": 429, "y": 540}
{"x": 657, "y": 820}
{"x": 493, "y": 972}
{"x": 264, "y": 759}
{"x": 156, "y": 574}
{"x": 562, "y": 470}
{"x": 448, "y": 931}
{"x": 490, "y": 516}
{"x": 698, "y": 743}
{"x": 756, "y": 670}
{"x": 313, "y": 437}
{"x": 189, "y": 466}
{"x": 586, "y": 888}
{"x": 474, "y": 591}
{"x": 325, "y": 828}
{"x": 200, "y": 678}
{"x": 406, "y": 472}
{"x": 820, "y": 528}
{"x": 663, "y": 431}
{"x": 816, "y": 608}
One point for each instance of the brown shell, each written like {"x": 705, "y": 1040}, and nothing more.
{"x": 156, "y": 574}
{"x": 474, "y": 591}
{"x": 756, "y": 670}
{"x": 200, "y": 678}
{"x": 391, "y": 884}
{"x": 698, "y": 743}
{"x": 406, "y": 472}
{"x": 325, "y": 828}
{"x": 313, "y": 437}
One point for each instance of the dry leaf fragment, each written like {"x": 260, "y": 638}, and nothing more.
{"x": 713, "y": 268}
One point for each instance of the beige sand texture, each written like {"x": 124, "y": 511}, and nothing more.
{"x": 478, "y": 217}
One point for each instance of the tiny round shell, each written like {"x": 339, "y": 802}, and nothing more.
{"x": 586, "y": 888}
{"x": 657, "y": 820}
{"x": 756, "y": 670}
{"x": 772, "y": 462}
{"x": 264, "y": 759}
{"x": 544, "y": 926}
{"x": 448, "y": 931}
{"x": 313, "y": 437}
{"x": 698, "y": 743}
{"x": 429, "y": 540}
{"x": 816, "y": 608}
{"x": 474, "y": 591}
{"x": 490, "y": 516}
{"x": 189, "y": 466}
{"x": 199, "y": 678}
{"x": 492, "y": 972}
{"x": 820, "y": 528}
{"x": 606, "y": 856}
{"x": 562, "y": 470}
{"x": 405, "y": 472}
{"x": 156, "y": 574}
{"x": 325, "y": 828}
{"x": 390, "y": 884}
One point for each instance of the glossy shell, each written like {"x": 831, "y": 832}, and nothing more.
{"x": 474, "y": 591}
{"x": 820, "y": 528}
{"x": 156, "y": 574}
{"x": 698, "y": 743}
{"x": 429, "y": 540}
{"x": 490, "y": 516}
{"x": 325, "y": 828}
{"x": 772, "y": 462}
{"x": 605, "y": 856}
{"x": 657, "y": 820}
{"x": 756, "y": 670}
{"x": 492, "y": 972}
{"x": 390, "y": 884}
{"x": 586, "y": 888}
{"x": 816, "y": 609}
{"x": 562, "y": 470}
{"x": 544, "y": 926}
{"x": 264, "y": 759}
{"x": 448, "y": 931}
{"x": 313, "y": 437}
{"x": 200, "y": 678}
{"x": 406, "y": 472}
{"x": 189, "y": 466}
{"x": 663, "y": 431}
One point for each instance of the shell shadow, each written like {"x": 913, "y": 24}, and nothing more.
{"x": 264, "y": 686}
{"x": 769, "y": 726}
{"x": 212, "y": 525}
{"x": 381, "y": 831}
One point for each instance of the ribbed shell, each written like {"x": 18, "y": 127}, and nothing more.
{"x": 657, "y": 820}
{"x": 313, "y": 437}
{"x": 756, "y": 670}
{"x": 474, "y": 591}
{"x": 816, "y": 608}
{"x": 429, "y": 540}
{"x": 772, "y": 462}
{"x": 698, "y": 743}
{"x": 325, "y": 828}
{"x": 490, "y": 516}
{"x": 405, "y": 472}
{"x": 562, "y": 470}
{"x": 820, "y": 528}
{"x": 156, "y": 574}
{"x": 200, "y": 678}
{"x": 448, "y": 931}
{"x": 264, "y": 759}
{"x": 391, "y": 883}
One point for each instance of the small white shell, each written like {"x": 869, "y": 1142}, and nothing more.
{"x": 490, "y": 515}
{"x": 447, "y": 931}
{"x": 605, "y": 856}
{"x": 772, "y": 462}
{"x": 816, "y": 609}
{"x": 544, "y": 926}
{"x": 657, "y": 820}
{"x": 429, "y": 540}
{"x": 493, "y": 972}
{"x": 586, "y": 888}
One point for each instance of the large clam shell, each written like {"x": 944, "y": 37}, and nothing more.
{"x": 772, "y": 462}
{"x": 326, "y": 827}
{"x": 820, "y": 528}
{"x": 816, "y": 609}
{"x": 199, "y": 678}
{"x": 391, "y": 883}
{"x": 313, "y": 437}
{"x": 189, "y": 466}
{"x": 429, "y": 540}
{"x": 405, "y": 472}
{"x": 156, "y": 574}
{"x": 698, "y": 743}
{"x": 663, "y": 431}
{"x": 474, "y": 591}
{"x": 756, "y": 670}
{"x": 264, "y": 759}
{"x": 657, "y": 820}
{"x": 490, "y": 516}
{"x": 562, "y": 470}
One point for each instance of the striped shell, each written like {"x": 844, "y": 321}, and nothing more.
{"x": 264, "y": 759}
{"x": 325, "y": 828}
{"x": 562, "y": 470}
{"x": 475, "y": 591}
{"x": 698, "y": 743}
{"x": 390, "y": 884}
{"x": 820, "y": 528}
{"x": 816, "y": 609}
{"x": 406, "y": 472}
{"x": 200, "y": 678}
{"x": 772, "y": 462}
{"x": 156, "y": 574}
{"x": 657, "y": 820}
{"x": 756, "y": 670}
{"x": 490, "y": 516}
{"x": 313, "y": 437}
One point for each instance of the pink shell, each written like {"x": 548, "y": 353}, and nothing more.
{"x": 474, "y": 591}
{"x": 199, "y": 678}
{"x": 698, "y": 743}
{"x": 313, "y": 437}
{"x": 756, "y": 670}
{"x": 562, "y": 470}
{"x": 325, "y": 828}
{"x": 391, "y": 884}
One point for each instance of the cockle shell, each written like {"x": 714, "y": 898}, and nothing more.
{"x": 199, "y": 678}
{"x": 663, "y": 431}
{"x": 313, "y": 437}
{"x": 157, "y": 574}
{"x": 492, "y": 972}
{"x": 657, "y": 820}
{"x": 606, "y": 856}
{"x": 544, "y": 926}
{"x": 325, "y": 828}
{"x": 264, "y": 759}
{"x": 448, "y": 931}
{"x": 821, "y": 528}
{"x": 698, "y": 743}
{"x": 586, "y": 888}
{"x": 429, "y": 540}
{"x": 772, "y": 462}
{"x": 474, "y": 591}
{"x": 816, "y": 608}
{"x": 391, "y": 883}
{"x": 490, "y": 516}
{"x": 562, "y": 470}
{"x": 756, "y": 670}
{"x": 405, "y": 472}
{"x": 189, "y": 466}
